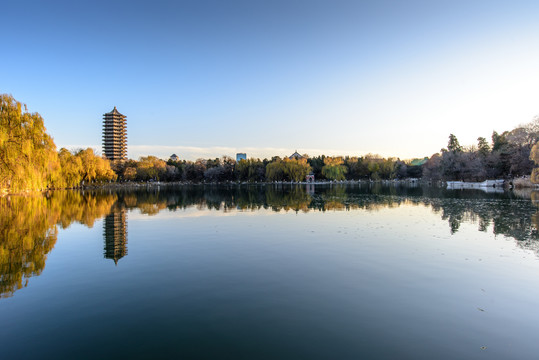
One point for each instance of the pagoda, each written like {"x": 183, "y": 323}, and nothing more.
{"x": 115, "y": 135}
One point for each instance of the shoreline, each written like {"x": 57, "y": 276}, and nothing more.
{"x": 240, "y": 183}
{"x": 508, "y": 185}
{"x": 155, "y": 184}
{"x": 515, "y": 184}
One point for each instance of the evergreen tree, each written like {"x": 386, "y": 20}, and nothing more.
{"x": 453, "y": 144}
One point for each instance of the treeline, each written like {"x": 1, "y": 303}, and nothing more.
{"x": 508, "y": 155}
{"x": 226, "y": 169}
{"x": 29, "y": 159}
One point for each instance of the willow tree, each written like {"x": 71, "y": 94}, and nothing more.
{"x": 296, "y": 169}
{"x": 28, "y": 158}
{"x": 151, "y": 167}
{"x": 275, "y": 170}
{"x": 94, "y": 168}
{"x": 287, "y": 169}
{"x": 71, "y": 169}
{"x": 333, "y": 168}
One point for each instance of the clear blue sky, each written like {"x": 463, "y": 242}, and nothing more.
{"x": 210, "y": 78}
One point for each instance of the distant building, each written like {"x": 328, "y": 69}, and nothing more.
{"x": 174, "y": 157}
{"x": 115, "y": 135}
{"x": 241, "y": 156}
{"x": 296, "y": 156}
{"x": 418, "y": 162}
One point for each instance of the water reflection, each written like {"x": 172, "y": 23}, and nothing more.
{"x": 115, "y": 235}
{"x": 29, "y": 225}
{"x": 29, "y": 230}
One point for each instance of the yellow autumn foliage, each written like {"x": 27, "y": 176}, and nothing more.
{"x": 29, "y": 160}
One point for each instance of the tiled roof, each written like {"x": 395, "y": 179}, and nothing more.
{"x": 114, "y": 112}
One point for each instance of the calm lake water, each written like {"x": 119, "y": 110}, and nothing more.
{"x": 275, "y": 272}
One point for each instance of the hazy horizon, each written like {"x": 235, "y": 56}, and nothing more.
{"x": 193, "y": 153}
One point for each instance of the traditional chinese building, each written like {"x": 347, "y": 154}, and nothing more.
{"x": 115, "y": 135}
{"x": 295, "y": 155}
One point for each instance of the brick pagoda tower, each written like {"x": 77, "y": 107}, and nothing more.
{"x": 115, "y": 135}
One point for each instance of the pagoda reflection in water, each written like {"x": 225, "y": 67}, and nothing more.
{"x": 115, "y": 235}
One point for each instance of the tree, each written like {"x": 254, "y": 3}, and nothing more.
{"x": 71, "y": 169}
{"x": 130, "y": 173}
{"x": 296, "y": 169}
{"x": 242, "y": 170}
{"x": 482, "y": 147}
{"x": 498, "y": 141}
{"x": 257, "y": 170}
{"x": 28, "y": 158}
{"x": 333, "y": 168}
{"x": 432, "y": 170}
{"x": 250, "y": 170}
{"x": 401, "y": 169}
{"x": 357, "y": 168}
{"x": 194, "y": 171}
{"x": 317, "y": 163}
{"x": 151, "y": 167}
{"x": 287, "y": 169}
{"x": 275, "y": 170}
{"x": 453, "y": 144}
{"x": 94, "y": 168}
{"x": 214, "y": 174}
{"x": 471, "y": 166}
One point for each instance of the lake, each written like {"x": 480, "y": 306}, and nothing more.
{"x": 270, "y": 272}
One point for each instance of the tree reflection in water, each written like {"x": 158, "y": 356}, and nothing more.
{"x": 29, "y": 225}
{"x": 510, "y": 214}
{"x": 29, "y": 230}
